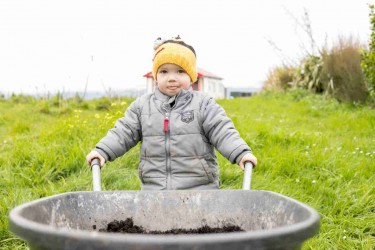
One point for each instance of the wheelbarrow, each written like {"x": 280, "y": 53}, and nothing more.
{"x": 72, "y": 220}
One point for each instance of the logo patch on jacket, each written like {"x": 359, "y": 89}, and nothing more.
{"x": 187, "y": 116}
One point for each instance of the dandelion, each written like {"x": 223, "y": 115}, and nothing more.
{"x": 4, "y": 141}
{"x": 339, "y": 148}
{"x": 344, "y": 237}
{"x": 361, "y": 152}
{"x": 97, "y": 116}
{"x": 113, "y": 104}
{"x": 297, "y": 180}
{"x": 123, "y": 103}
{"x": 313, "y": 181}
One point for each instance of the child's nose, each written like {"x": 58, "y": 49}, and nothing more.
{"x": 172, "y": 76}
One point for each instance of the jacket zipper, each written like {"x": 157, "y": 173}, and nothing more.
{"x": 166, "y": 123}
{"x": 167, "y": 149}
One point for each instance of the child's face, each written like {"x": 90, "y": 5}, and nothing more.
{"x": 171, "y": 78}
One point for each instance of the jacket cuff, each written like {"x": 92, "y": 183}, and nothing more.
{"x": 239, "y": 157}
{"x": 102, "y": 153}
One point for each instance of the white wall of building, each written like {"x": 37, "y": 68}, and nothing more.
{"x": 214, "y": 87}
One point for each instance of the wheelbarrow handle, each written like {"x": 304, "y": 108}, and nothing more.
{"x": 95, "y": 167}
{"x": 246, "y": 184}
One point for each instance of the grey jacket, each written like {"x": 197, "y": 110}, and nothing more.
{"x": 179, "y": 136}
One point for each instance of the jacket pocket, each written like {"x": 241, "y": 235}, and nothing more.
{"x": 207, "y": 170}
{"x": 150, "y": 173}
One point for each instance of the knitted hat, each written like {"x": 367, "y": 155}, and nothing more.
{"x": 177, "y": 52}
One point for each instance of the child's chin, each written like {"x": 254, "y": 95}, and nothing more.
{"x": 172, "y": 93}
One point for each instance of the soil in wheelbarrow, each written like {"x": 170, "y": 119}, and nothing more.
{"x": 127, "y": 226}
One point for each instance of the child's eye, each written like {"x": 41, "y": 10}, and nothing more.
{"x": 163, "y": 71}
{"x": 181, "y": 71}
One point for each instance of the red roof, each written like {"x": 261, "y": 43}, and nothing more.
{"x": 201, "y": 73}
{"x": 148, "y": 75}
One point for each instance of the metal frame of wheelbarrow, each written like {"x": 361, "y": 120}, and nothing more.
{"x": 97, "y": 186}
{"x": 66, "y": 221}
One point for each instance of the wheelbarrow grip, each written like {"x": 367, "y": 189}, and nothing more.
{"x": 246, "y": 184}
{"x": 95, "y": 167}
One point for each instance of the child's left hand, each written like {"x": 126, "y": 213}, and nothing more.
{"x": 246, "y": 158}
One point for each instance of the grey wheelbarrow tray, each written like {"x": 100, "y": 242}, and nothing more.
{"x": 72, "y": 220}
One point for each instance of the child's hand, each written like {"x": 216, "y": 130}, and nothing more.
{"x": 246, "y": 158}
{"x": 92, "y": 155}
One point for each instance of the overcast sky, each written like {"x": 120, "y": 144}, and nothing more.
{"x": 48, "y": 45}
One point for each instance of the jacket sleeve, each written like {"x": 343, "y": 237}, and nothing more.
{"x": 125, "y": 135}
{"x": 220, "y": 131}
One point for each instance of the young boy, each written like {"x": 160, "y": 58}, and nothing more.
{"x": 179, "y": 128}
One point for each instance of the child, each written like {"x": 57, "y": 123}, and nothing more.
{"x": 179, "y": 128}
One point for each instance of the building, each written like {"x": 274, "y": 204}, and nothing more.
{"x": 234, "y": 92}
{"x": 207, "y": 82}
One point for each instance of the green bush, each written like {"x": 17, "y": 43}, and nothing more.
{"x": 335, "y": 71}
{"x": 279, "y": 78}
{"x": 103, "y": 104}
{"x": 309, "y": 74}
{"x": 342, "y": 74}
{"x": 368, "y": 57}
{"x": 21, "y": 98}
{"x": 44, "y": 107}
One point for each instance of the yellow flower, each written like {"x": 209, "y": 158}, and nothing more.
{"x": 123, "y": 103}
{"x": 97, "y": 116}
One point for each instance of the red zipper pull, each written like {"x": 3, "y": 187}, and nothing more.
{"x": 166, "y": 123}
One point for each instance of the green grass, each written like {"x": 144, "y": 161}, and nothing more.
{"x": 316, "y": 150}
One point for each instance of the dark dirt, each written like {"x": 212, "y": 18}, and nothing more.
{"x": 127, "y": 226}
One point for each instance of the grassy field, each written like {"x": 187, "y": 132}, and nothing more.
{"x": 309, "y": 148}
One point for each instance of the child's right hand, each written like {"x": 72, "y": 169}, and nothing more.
{"x": 92, "y": 155}
{"x": 248, "y": 157}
